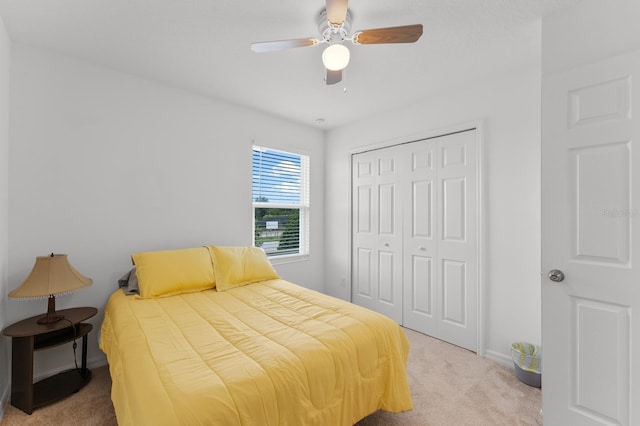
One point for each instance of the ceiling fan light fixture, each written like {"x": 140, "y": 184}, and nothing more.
{"x": 336, "y": 57}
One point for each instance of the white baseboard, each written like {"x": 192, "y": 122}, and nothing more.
{"x": 498, "y": 357}
{"x": 97, "y": 361}
{"x": 93, "y": 362}
{"x": 4, "y": 400}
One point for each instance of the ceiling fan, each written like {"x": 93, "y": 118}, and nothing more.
{"x": 334, "y": 24}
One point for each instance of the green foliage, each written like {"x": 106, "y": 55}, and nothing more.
{"x": 289, "y": 239}
{"x": 291, "y": 234}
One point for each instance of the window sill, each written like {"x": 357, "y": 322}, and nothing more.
{"x": 291, "y": 258}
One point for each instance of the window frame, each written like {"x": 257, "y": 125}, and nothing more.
{"x": 303, "y": 206}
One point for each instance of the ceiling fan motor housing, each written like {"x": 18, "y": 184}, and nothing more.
{"x": 332, "y": 33}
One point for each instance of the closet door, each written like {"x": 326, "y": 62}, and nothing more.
{"x": 457, "y": 239}
{"x": 440, "y": 239}
{"x": 414, "y": 243}
{"x": 377, "y": 231}
{"x": 420, "y": 257}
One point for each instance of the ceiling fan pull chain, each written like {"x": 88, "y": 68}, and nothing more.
{"x": 344, "y": 81}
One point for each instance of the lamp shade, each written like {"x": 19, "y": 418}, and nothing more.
{"x": 51, "y": 275}
{"x": 336, "y": 57}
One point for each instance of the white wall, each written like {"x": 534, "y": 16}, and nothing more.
{"x": 510, "y": 108}
{"x": 5, "y": 50}
{"x": 598, "y": 30}
{"x": 104, "y": 164}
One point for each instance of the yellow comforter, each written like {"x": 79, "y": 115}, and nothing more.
{"x": 269, "y": 353}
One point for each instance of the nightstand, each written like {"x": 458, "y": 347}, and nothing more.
{"x": 27, "y": 337}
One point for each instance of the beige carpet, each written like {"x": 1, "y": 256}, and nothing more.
{"x": 450, "y": 386}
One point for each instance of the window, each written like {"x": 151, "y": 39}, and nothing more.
{"x": 280, "y": 202}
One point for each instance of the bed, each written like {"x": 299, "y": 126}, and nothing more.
{"x": 262, "y": 352}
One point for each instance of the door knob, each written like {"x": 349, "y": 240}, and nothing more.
{"x": 556, "y": 275}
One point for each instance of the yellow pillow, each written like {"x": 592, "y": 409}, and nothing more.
{"x": 170, "y": 272}
{"x": 238, "y": 266}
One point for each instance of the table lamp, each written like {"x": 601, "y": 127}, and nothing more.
{"x": 51, "y": 275}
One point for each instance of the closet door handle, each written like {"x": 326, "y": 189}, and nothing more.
{"x": 422, "y": 248}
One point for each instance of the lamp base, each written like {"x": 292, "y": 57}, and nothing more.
{"x": 51, "y": 316}
{"x": 50, "y": 319}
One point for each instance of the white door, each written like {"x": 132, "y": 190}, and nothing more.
{"x": 420, "y": 303}
{"x": 414, "y": 250}
{"x": 440, "y": 238}
{"x": 457, "y": 239}
{"x": 590, "y": 233}
{"x": 377, "y": 232}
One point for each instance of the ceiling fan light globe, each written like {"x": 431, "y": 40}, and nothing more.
{"x": 336, "y": 57}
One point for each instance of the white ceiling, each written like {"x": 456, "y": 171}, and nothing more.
{"x": 203, "y": 46}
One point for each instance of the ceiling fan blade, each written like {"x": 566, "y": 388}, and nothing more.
{"x": 403, "y": 34}
{"x": 336, "y": 11}
{"x": 333, "y": 77}
{"x": 271, "y": 46}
